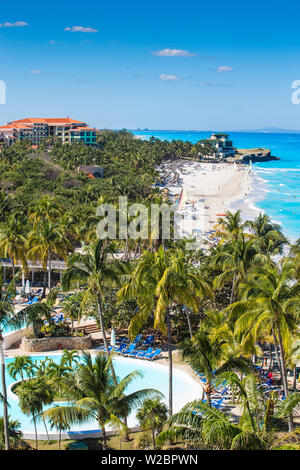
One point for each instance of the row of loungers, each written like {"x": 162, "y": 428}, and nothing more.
{"x": 221, "y": 395}
{"x": 131, "y": 351}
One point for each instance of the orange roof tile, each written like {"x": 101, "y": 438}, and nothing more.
{"x": 82, "y": 129}
{"x": 52, "y": 121}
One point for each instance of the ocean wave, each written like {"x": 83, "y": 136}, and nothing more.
{"x": 275, "y": 170}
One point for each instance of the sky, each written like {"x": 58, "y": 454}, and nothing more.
{"x": 157, "y": 65}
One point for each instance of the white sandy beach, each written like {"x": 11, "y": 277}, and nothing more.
{"x": 210, "y": 190}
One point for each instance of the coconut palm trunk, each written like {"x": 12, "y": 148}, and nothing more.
{"x": 153, "y": 439}
{"x": 46, "y": 429}
{"x": 4, "y": 393}
{"x": 189, "y": 323}
{"x": 49, "y": 274}
{"x": 232, "y": 290}
{"x": 283, "y": 365}
{"x": 277, "y": 355}
{"x": 208, "y": 390}
{"x": 35, "y": 431}
{"x": 104, "y": 439}
{"x": 170, "y": 363}
{"x": 13, "y": 267}
{"x": 100, "y": 316}
{"x": 44, "y": 284}
{"x": 295, "y": 380}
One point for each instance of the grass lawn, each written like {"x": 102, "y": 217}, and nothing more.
{"x": 94, "y": 444}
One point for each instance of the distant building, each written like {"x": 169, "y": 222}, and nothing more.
{"x": 93, "y": 171}
{"x": 222, "y": 145}
{"x": 37, "y": 129}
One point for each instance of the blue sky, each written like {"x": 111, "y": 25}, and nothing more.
{"x": 159, "y": 64}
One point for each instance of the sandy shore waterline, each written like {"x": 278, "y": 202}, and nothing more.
{"x": 211, "y": 190}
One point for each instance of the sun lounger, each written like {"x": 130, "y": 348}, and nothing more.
{"x": 120, "y": 347}
{"x": 134, "y": 353}
{"x": 33, "y": 301}
{"x": 142, "y": 354}
{"x": 149, "y": 340}
{"x": 137, "y": 339}
{"x": 153, "y": 355}
{"x": 128, "y": 350}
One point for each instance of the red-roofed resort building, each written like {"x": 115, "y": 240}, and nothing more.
{"x": 37, "y": 129}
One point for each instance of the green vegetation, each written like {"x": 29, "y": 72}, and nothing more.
{"x": 220, "y": 307}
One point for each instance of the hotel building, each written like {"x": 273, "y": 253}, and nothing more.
{"x": 36, "y": 129}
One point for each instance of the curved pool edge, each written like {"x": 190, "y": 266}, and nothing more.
{"x": 95, "y": 433}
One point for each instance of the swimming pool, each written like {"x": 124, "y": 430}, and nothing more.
{"x": 155, "y": 375}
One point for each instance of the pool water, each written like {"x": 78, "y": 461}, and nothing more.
{"x": 185, "y": 389}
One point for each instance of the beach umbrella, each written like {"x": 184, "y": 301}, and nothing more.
{"x": 27, "y": 287}
{"x": 113, "y": 338}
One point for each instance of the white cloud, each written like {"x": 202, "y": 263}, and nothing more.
{"x": 35, "y": 72}
{"x": 166, "y": 77}
{"x": 173, "y": 53}
{"x": 16, "y": 24}
{"x": 81, "y": 29}
{"x": 52, "y": 41}
{"x": 224, "y": 68}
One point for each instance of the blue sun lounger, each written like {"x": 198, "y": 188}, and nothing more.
{"x": 127, "y": 351}
{"x": 137, "y": 339}
{"x": 121, "y": 348}
{"x": 153, "y": 355}
{"x": 142, "y": 354}
{"x": 134, "y": 353}
{"x": 149, "y": 340}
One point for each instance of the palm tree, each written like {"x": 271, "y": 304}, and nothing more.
{"x": 32, "y": 393}
{"x": 209, "y": 428}
{"x": 98, "y": 269}
{"x": 96, "y": 395}
{"x": 36, "y": 314}
{"x": 230, "y": 226}
{"x": 5, "y": 202}
{"x": 70, "y": 358}
{"x": 45, "y": 240}
{"x": 271, "y": 239}
{"x": 212, "y": 356}
{"x": 21, "y": 365}
{"x": 160, "y": 280}
{"x": 15, "y": 436}
{"x": 269, "y": 302}
{"x": 72, "y": 307}
{"x": 13, "y": 241}
{"x": 234, "y": 258}
{"x": 152, "y": 416}
{"x": 57, "y": 420}
{"x": 46, "y": 208}
{"x": 7, "y": 317}
{"x": 56, "y": 371}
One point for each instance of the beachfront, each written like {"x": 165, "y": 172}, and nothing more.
{"x": 210, "y": 190}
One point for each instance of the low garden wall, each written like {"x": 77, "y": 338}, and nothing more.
{"x": 54, "y": 343}
{"x": 14, "y": 337}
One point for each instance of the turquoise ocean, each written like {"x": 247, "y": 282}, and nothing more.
{"x": 275, "y": 188}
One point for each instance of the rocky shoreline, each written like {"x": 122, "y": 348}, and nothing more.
{"x": 256, "y": 155}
